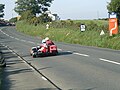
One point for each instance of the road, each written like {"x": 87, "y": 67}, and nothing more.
{"x": 17, "y": 75}
{"x": 76, "y": 67}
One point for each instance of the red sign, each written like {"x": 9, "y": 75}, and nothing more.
{"x": 113, "y": 26}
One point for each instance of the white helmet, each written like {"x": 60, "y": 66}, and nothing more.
{"x": 43, "y": 41}
{"x": 47, "y": 38}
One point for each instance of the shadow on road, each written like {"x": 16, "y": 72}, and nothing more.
{"x": 64, "y": 53}
{"x": 46, "y": 89}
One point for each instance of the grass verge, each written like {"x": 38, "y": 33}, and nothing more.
{"x": 69, "y": 32}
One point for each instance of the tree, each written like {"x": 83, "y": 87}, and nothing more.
{"x": 35, "y": 6}
{"x": 45, "y": 18}
{"x": 27, "y": 15}
{"x": 2, "y": 6}
{"x": 114, "y": 6}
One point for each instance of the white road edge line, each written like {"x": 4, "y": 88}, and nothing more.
{"x": 44, "y": 78}
{"x": 81, "y": 54}
{"x": 117, "y": 63}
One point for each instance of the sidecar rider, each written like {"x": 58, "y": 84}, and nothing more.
{"x": 48, "y": 41}
{"x": 43, "y": 47}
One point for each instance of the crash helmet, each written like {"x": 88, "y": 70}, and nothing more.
{"x": 47, "y": 38}
{"x": 43, "y": 41}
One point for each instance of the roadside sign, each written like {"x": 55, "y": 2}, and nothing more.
{"x": 113, "y": 26}
{"x": 112, "y": 15}
{"x": 113, "y": 23}
{"x": 82, "y": 27}
{"x": 102, "y": 33}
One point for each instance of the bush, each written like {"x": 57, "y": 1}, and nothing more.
{"x": 34, "y": 21}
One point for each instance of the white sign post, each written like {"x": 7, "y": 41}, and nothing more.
{"x": 101, "y": 34}
{"x": 47, "y": 26}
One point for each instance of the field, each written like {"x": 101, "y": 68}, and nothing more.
{"x": 69, "y": 31}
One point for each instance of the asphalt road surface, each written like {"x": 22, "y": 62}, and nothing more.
{"x": 18, "y": 75}
{"x": 74, "y": 68}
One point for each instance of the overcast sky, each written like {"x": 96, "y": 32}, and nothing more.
{"x": 68, "y": 9}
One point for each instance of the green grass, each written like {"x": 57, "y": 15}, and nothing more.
{"x": 69, "y": 32}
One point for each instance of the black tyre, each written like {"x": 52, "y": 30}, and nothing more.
{"x": 54, "y": 53}
{"x": 34, "y": 56}
{"x": 4, "y": 65}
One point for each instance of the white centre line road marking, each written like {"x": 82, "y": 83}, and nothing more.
{"x": 17, "y": 38}
{"x": 105, "y": 60}
{"x": 30, "y": 42}
{"x": 11, "y": 37}
{"x": 59, "y": 49}
{"x": 81, "y": 54}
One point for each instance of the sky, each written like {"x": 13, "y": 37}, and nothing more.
{"x": 68, "y": 9}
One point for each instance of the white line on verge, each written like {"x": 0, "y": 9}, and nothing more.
{"x": 109, "y": 61}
